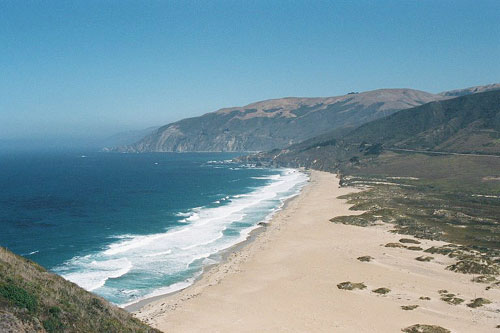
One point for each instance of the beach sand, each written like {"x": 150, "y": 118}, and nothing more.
{"x": 286, "y": 280}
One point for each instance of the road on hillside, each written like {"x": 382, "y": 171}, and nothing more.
{"x": 439, "y": 152}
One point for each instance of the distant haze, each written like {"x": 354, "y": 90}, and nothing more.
{"x": 81, "y": 71}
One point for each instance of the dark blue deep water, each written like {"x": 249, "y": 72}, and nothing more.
{"x": 127, "y": 226}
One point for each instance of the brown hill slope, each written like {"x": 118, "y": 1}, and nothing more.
{"x": 277, "y": 123}
{"x": 34, "y": 300}
{"x": 464, "y": 125}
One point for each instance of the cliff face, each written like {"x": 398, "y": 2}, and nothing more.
{"x": 277, "y": 123}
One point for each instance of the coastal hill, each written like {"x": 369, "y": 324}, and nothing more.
{"x": 127, "y": 137}
{"x": 34, "y": 300}
{"x": 471, "y": 90}
{"x": 468, "y": 124}
{"x": 432, "y": 171}
{"x": 277, "y": 123}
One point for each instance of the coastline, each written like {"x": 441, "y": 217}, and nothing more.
{"x": 285, "y": 279}
{"x": 222, "y": 256}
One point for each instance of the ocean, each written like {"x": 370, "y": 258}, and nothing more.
{"x": 132, "y": 226}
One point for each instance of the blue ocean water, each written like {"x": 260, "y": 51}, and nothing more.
{"x": 129, "y": 226}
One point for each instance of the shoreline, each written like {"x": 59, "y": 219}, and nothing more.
{"x": 223, "y": 255}
{"x": 286, "y": 279}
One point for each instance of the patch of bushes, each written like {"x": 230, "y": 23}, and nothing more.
{"x": 17, "y": 295}
{"x": 409, "y": 241}
{"x": 484, "y": 279}
{"x": 348, "y": 285}
{"x": 53, "y": 325}
{"x": 475, "y": 303}
{"x": 409, "y": 307}
{"x": 382, "y": 291}
{"x": 422, "y": 328}
{"x": 396, "y": 245}
{"x": 424, "y": 258}
{"x": 449, "y": 297}
{"x": 475, "y": 265}
{"x": 452, "y": 299}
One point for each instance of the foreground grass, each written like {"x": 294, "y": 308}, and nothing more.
{"x": 34, "y": 300}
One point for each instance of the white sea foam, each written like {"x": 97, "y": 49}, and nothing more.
{"x": 271, "y": 177}
{"x": 161, "y": 291}
{"x": 96, "y": 273}
{"x": 241, "y": 195}
{"x": 183, "y": 214}
{"x": 158, "y": 253}
{"x": 181, "y": 251}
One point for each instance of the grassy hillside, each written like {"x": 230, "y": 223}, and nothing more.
{"x": 34, "y": 300}
{"x": 468, "y": 124}
{"x": 277, "y": 123}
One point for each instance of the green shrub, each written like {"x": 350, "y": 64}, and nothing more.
{"x": 18, "y": 296}
{"x": 55, "y": 311}
{"x": 53, "y": 325}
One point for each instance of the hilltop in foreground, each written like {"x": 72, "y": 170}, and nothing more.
{"x": 34, "y": 300}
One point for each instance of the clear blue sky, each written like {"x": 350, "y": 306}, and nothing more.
{"x": 85, "y": 68}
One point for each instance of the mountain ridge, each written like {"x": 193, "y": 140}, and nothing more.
{"x": 468, "y": 124}
{"x": 276, "y": 123}
{"x": 281, "y": 122}
{"x": 470, "y": 90}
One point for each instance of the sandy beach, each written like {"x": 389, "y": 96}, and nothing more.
{"x": 286, "y": 280}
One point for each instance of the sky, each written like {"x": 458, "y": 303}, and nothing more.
{"x": 82, "y": 69}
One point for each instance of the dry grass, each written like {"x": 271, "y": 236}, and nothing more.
{"x": 33, "y": 299}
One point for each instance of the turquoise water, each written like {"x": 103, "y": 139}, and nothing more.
{"x": 129, "y": 226}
